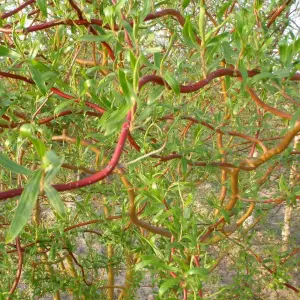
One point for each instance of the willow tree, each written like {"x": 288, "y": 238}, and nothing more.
{"x": 148, "y": 139}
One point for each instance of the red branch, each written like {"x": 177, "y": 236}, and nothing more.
{"x": 78, "y": 11}
{"x": 67, "y": 22}
{"x": 16, "y": 10}
{"x": 203, "y": 82}
{"x": 170, "y": 12}
{"x": 158, "y": 14}
{"x": 275, "y": 15}
{"x": 125, "y": 128}
{"x": 93, "y": 178}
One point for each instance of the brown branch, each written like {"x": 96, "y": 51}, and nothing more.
{"x": 294, "y": 252}
{"x": 132, "y": 211}
{"x": 20, "y": 265}
{"x": 74, "y": 168}
{"x": 80, "y": 266}
{"x": 234, "y": 190}
{"x": 267, "y": 107}
{"x": 277, "y": 13}
{"x": 251, "y": 164}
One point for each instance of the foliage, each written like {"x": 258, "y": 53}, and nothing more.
{"x": 147, "y": 139}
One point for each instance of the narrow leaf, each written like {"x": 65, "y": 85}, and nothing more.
{"x": 39, "y": 146}
{"x": 167, "y": 285}
{"x": 42, "y": 4}
{"x": 283, "y": 51}
{"x": 198, "y": 271}
{"x": 38, "y": 78}
{"x": 55, "y": 199}
{"x": 295, "y": 118}
{"x": 124, "y": 84}
{"x": 25, "y": 206}
{"x": 171, "y": 80}
{"x": 187, "y": 33}
{"x": 283, "y": 185}
{"x": 6, "y": 52}
{"x": 62, "y": 105}
{"x": 185, "y": 3}
{"x": 202, "y": 23}
{"x": 26, "y": 130}
{"x": 96, "y": 38}
{"x": 12, "y": 166}
{"x": 153, "y": 50}
{"x": 54, "y": 163}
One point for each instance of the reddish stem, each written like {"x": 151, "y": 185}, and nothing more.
{"x": 93, "y": 178}
{"x": 203, "y": 82}
{"x": 20, "y": 265}
{"x": 78, "y": 11}
{"x": 275, "y": 15}
{"x": 185, "y": 294}
{"x": 16, "y": 10}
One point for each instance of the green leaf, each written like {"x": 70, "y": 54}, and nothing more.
{"x": 6, "y": 52}
{"x": 173, "y": 83}
{"x": 283, "y": 185}
{"x": 226, "y": 215}
{"x": 297, "y": 45}
{"x": 228, "y": 52}
{"x": 110, "y": 121}
{"x": 295, "y": 118}
{"x": 157, "y": 59}
{"x": 167, "y": 53}
{"x": 158, "y": 4}
{"x": 53, "y": 164}
{"x": 155, "y": 93}
{"x": 42, "y": 4}
{"x": 62, "y": 105}
{"x": 184, "y": 165}
{"x": 132, "y": 59}
{"x": 53, "y": 252}
{"x": 25, "y": 206}
{"x": 146, "y": 9}
{"x": 154, "y": 262}
{"x": 3, "y": 110}
{"x": 188, "y": 34}
{"x": 222, "y": 10}
{"x": 185, "y": 3}
{"x": 39, "y": 146}
{"x": 240, "y": 23}
{"x": 153, "y": 50}
{"x": 12, "y": 166}
{"x": 97, "y": 38}
{"x": 168, "y": 284}
{"x": 136, "y": 75}
{"x": 201, "y": 23}
{"x": 283, "y": 52}
{"x": 120, "y": 4}
{"x": 243, "y": 69}
{"x": 37, "y": 78}
{"x": 124, "y": 84}
{"x": 55, "y": 199}
{"x": 218, "y": 39}
{"x": 26, "y": 130}
{"x": 198, "y": 271}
